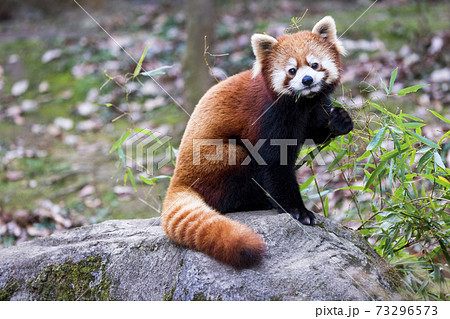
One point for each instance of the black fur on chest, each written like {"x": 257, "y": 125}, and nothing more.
{"x": 292, "y": 121}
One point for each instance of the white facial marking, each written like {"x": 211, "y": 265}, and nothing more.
{"x": 278, "y": 77}
{"x": 292, "y": 63}
{"x": 333, "y": 73}
{"x": 311, "y": 59}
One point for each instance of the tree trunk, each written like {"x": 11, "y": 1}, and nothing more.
{"x": 200, "y": 16}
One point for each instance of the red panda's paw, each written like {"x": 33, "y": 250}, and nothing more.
{"x": 304, "y": 216}
{"x": 340, "y": 121}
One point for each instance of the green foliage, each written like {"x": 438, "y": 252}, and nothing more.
{"x": 400, "y": 188}
{"x": 139, "y": 146}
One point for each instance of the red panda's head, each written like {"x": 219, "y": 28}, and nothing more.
{"x": 300, "y": 64}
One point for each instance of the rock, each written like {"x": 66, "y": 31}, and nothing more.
{"x": 86, "y": 191}
{"x": 51, "y": 55}
{"x": 53, "y": 130}
{"x": 19, "y": 87}
{"x": 64, "y": 123}
{"x": 14, "y": 175}
{"x": 81, "y": 70}
{"x": 87, "y": 108}
{"x": 89, "y": 125}
{"x": 29, "y": 106}
{"x": 70, "y": 139}
{"x": 43, "y": 87}
{"x": 437, "y": 43}
{"x": 134, "y": 260}
{"x": 123, "y": 190}
{"x": 151, "y": 104}
{"x": 92, "y": 95}
{"x": 440, "y": 75}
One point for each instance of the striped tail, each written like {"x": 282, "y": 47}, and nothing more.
{"x": 189, "y": 221}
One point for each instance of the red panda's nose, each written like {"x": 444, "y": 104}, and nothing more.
{"x": 307, "y": 80}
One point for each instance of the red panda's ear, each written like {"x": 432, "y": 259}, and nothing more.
{"x": 326, "y": 28}
{"x": 261, "y": 44}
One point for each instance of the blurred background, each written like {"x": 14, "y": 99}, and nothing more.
{"x": 59, "y": 119}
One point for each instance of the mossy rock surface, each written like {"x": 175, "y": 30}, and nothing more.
{"x": 133, "y": 260}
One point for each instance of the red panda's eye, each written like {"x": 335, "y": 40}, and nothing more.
{"x": 292, "y": 71}
{"x": 314, "y": 66}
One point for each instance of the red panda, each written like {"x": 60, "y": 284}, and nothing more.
{"x": 284, "y": 98}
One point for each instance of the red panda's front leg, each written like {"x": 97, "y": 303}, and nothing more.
{"x": 328, "y": 122}
{"x": 280, "y": 182}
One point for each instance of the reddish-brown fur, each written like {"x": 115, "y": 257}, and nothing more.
{"x": 228, "y": 110}
{"x": 186, "y": 218}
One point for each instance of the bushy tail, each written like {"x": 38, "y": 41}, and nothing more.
{"x": 189, "y": 221}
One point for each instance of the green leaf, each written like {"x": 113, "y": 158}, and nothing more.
{"x": 425, "y": 157}
{"x": 336, "y": 103}
{"x": 392, "y": 154}
{"x": 438, "y": 160}
{"x": 307, "y": 183}
{"x": 413, "y": 125}
{"x": 439, "y": 116}
{"x": 151, "y": 181}
{"x": 107, "y": 76}
{"x": 337, "y": 159}
{"x": 133, "y": 182}
{"x": 438, "y": 180}
{"x": 394, "y": 137}
{"x": 411, "y": 89}
{"x": 356, "y": 188}
{"x": 377, "y": 139}
{"x": 139, "y": 65}
{"x": 122, "y": 156}
{"x": 326, "y": 208}
{"x": 403, "y": 115}
{"x": 125, "y": 178}
{"x": 374, "y": 174}
{"x": 146, "y": 180}
{"x": 149, "y": 133}
{"x": 424, "y": 140}
{"x": 158, "y": 71}
{"x": 392, "y": 80}
{"x": 345, "y": 166}
{"x": 443, "y": 137}
{"x": 120, "y": 141}
{"x": 365, "y": 155}
{"x": 384, "y": 86}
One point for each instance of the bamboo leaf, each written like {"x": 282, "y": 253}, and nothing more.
{"x": 133, "y": 182}
{"x": 411, "y": 89}
{"x": 437, "y": 180}
{"x": 337, "y": 159}
{"x": 120, "y": 141}
{"x": 376, "y": 140}
{"x": 439, "y": 116}
{"x": 424, "y": 140}
{"x": 438, "y": 160}
{"x": 384, "y": 86}
{"x": 374, "y": 174}
{"x": 413, "y": 125}
{"x": 139, "y": 65}
{"x": 392, "y": 80}
{"x": 356, "y": 188}
{"x": 307, "y": 183}
{"x": 158, "y": 71}
{"x": 149, "y": 133}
